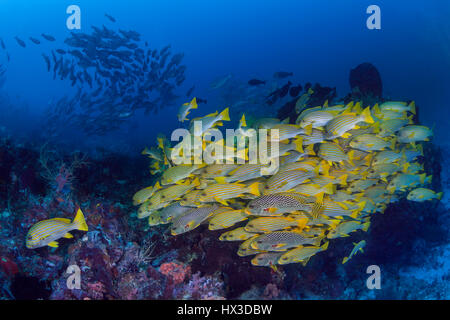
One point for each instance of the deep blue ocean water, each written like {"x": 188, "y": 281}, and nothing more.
{"x": 319, "y": 41}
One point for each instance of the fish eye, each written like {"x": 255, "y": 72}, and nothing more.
{"x": 203, "y": 194}
{"x": 284, "y": 258}
{"x": 251, "y": 206}
{"x": 259, "y": 241}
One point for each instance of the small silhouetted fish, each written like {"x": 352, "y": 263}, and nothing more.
{"x": 34, "y": 40}
{"x": 47, "y": 61}
{"x": 255, "y": 82}
{"x": 284, "y": 90}
{"x": 60, "y": 51}
{"x": 3, "y": 44}
{"x": 294, "y": 91}
{"x": 8, "y": 57}
{"x": 189, "y": 92}
{"x": 20, "y": 42}
{"x": 307, "y": 86}
{"x": 48, "y": 37}
{"x": 282, "y": 74}
{"x": 110, "y": 18}
{"x": 200, "y": 100}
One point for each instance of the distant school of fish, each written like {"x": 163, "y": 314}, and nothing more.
{"x": 339, "y": 165}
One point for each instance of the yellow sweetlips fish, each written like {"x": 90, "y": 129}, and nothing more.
{"x": 191, "y": 219}
{"x": 276, "y": 204}
{"x": 285, "y": 131}
{"x": 339, "y": 126}
{"x": 317, "y": 119}
{"x": 387, "y": 156}
{"x": 226, "y": 219}
{"x": 357, "y": 247}
{"x": 390, "y": 127}
{"x": 144, "y": 194}
{"x": 286, "y": 180}
{"x": 177, "y": 173}
{"x": 301, "y": 254}
{"x": 46, "y": 232}
{"x": 403, "y": 180}
{"x": 186, "y": 108}
{"x": 282, "y": 241}
{"x": 332, "y": 152}
{"x": 153, "y": 153}
{"x": 423, "y": 194}
{"x": 267, "y": 259}
{"x": 414, "y": 133}
{"x": 268, "y": 224}
{"x": 370, "y": 142}
{"x": 398, "y": 106}
{"x": 209, "y": 121}
{"x": 220, "y": 192}
{"x": 343, "y": 229}
{"x": 238, "y": 234}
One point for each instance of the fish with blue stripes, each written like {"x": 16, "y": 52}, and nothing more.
{"x": 46, "y": 232}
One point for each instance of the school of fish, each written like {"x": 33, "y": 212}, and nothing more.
{"x": 338, "y": 165}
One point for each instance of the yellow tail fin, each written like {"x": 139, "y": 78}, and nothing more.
{"x": 299, "y": 144}
{"x": 328, "y": 189}
{"x": 366, "y": 116}
{"x": 80, "y": 222}
{"x": 254, "y": 189}
{"x": 413, "y": 107}
{"x": 439, "y": 195}
{"x": 344, "y": 260}
{"x": 194, "y": 104}
{"x": 366, "y": 226}
{"x": 243, "y": 123}
{"x": 225, "y": 115}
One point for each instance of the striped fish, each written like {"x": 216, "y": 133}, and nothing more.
{"x": 191, "y": 219}
{"x": 315, "y": 137}
{"x": 276, "y": 204}
{"x": 238, "y": 234}
{"x": 267, "y": 259}
{"x": 220, "y": 192}
{"x": 370, "y": 142}
{"x": 390, "y": 127}
{"x": 176, "y": 191}
{"x": 173, "y": 211}
{"x": 386, "y": 156}
{"x": 242, "y": 173}
{"x": 332, "y": 152}
{"x": 45, "y": 233}
{"x": 177, "y": 173}
{"x": 144, "y": 194}
{"x": 245, "y": 247}
{"x": 267, "y": 224}
{"x": 281, "y": 241}
{"x": 287, "y": 180}
{"x": 217, "y": 170}
{"x": 301, "y": 254}
{"x": 155, "y": 219}
{"x": 317, "y": 119}
{"x": 339, "y": 126}
{"x": 285, "y": 131}
{"x": 398, "y": 106}
{"x": 226, "y": 219}
{"x": 338, "y": 209}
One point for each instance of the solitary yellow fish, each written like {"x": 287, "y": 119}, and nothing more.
{"x": 46, "y": 232}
